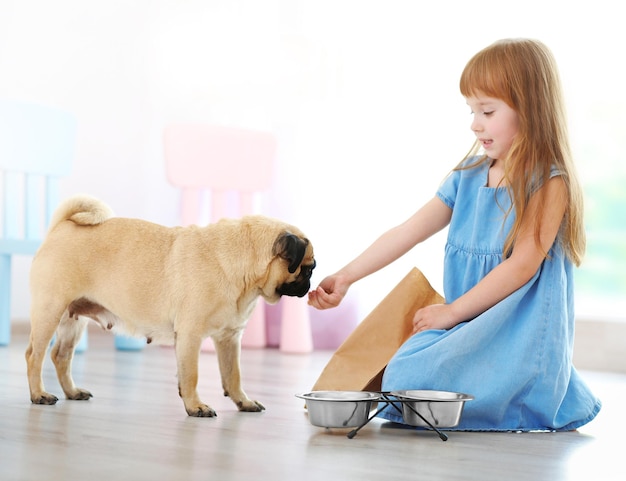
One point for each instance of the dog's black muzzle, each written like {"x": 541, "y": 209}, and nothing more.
{"x": 300, "y": 287}
{"x": 295, "y": 289}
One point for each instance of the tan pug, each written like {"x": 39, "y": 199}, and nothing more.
{"x": 171, "y": 285}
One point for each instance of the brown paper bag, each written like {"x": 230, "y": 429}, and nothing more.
{"x": 359, "y": 363}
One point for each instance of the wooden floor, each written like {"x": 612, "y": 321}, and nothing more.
{"x": 135, "y": 428}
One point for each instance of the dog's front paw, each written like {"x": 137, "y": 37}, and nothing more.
{"x": 250, "y": 406}
{"x": 79, "y": 395}
{"x": 202, "y": 411}
{"x": 44, "y": 398}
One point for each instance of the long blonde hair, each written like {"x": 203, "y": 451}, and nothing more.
{"x": 523, "y": 73}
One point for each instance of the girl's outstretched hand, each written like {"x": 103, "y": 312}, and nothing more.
{"x": 328, "y": 294}
{"x": 435, "y": 316}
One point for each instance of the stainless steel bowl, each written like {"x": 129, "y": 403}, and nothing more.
{"x": 442, "y": 409}
{"x": 339, "y": 409}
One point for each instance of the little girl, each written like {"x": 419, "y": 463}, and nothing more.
{"x": 515, "y": 217}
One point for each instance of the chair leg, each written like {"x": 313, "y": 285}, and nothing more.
{"x": 5, "y": 300}
{"x": 295, "y": 330}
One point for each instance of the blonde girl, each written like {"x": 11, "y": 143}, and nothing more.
{"x": 513, "y": 208}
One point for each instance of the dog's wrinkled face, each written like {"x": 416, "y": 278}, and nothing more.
{"x": 298, "y": 252}
{"x": 301, "y": 285}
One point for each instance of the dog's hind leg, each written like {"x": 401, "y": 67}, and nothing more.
{"x": 228, "y": 350}
{"x": 69, "y": 333}
{"x": 43, "y": 325}
{"x": 187, "y": 358}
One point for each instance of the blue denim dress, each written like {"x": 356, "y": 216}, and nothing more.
{"x": 516, "y": 357}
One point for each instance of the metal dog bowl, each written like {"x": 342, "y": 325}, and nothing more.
{"x": 432, "y": 408}
{"x": 339, "y": 409}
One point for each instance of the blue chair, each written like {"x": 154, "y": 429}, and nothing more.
{"x": 36, "y": 150}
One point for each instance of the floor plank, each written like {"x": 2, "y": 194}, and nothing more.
{"x": 136, "y": 428}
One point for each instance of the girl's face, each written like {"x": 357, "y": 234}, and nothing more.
{"x": 494, "y": 123}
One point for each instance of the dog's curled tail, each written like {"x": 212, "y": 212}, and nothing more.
{"x": 82, "y": 210}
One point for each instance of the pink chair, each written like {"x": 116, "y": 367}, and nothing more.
{"x": 36, "y": 149}
{"x": 232, "y": 165}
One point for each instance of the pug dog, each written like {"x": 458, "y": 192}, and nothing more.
{"x": 171, "y": 285}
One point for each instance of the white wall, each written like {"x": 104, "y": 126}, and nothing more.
{"x": 362, "y": 95}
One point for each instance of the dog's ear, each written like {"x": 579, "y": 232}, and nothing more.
{"x": 291, "y": 248}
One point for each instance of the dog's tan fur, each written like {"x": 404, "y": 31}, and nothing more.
{"x": 172, "y": 285}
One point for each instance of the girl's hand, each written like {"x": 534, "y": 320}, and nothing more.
{"x": 436, "y": 316}
{"x": 329, "y": 293}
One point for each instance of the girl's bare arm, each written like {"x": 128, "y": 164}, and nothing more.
{"x": 391, "y": 245}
